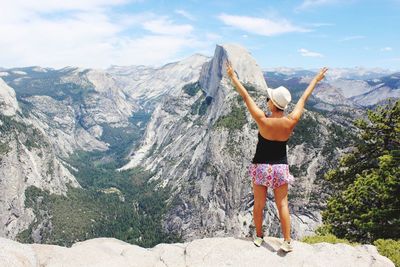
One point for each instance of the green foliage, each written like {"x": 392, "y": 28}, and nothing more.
{"x": 140, "y": 116}
{"x": 389, "y": 248}
{"x": 295, "y": 85}
{"x": 379, "y": 136}
{"x": 328, "y": 238}
{"x": 199, "y": 106}
{"x": 338, "y": 137}
{"x": 34, "y": 138}
{"x": 132, "y": 214}
{"x": 192, "y": 88}
{"x": 324, "y": 229}
{"x": 31, "y": 137}
{"x": 11, "y": 125}
{"x": 4, "y": 148}
{"x": 121, "y": 141}
{"x": 203, "y": 108}
{"x": 250, "y": 87}
{"x": 235, "y": 120}
{"x": 50, "y": 83}
{"x": 366, "y": 206}
{"x": 80, "y": 215}
{"x": 305, "y": 132}
{"x": 369, "y": 208}
{"x": 298, "y": 171}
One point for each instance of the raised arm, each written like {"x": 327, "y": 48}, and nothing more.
{"x": 298, "y": 110}
{"x": 255, "y": 111}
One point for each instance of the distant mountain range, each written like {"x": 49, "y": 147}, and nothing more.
{"x": 356, "y": 88}
{"x": 357, "y": 73}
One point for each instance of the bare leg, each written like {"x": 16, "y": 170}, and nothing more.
{"x": 260, "y": 194}
{"x": 281, "y": 200}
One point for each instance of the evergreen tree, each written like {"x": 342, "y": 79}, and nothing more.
{"x": 367, "y": 203}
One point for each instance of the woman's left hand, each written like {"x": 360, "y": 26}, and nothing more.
{"x": 321, "y": 74}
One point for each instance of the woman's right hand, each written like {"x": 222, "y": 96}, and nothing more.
{"x": 229, "y": 69}
{"x": 321, "y": 74}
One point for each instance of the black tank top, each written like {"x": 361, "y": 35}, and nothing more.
{"x": 270, "y": 152}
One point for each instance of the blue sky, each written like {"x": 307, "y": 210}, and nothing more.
{"x": 100, "y": 33}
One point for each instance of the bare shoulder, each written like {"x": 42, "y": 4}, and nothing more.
{"x": 284, "y": 122}
{"x": 290, "y": 121}
{"x": 276, "y": 128}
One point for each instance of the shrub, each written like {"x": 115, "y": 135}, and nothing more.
{"x": 4, "y": 148}
{"x": 328, "y": 238}
{"x": 365, "y": 206}
{"x": 191, "y": 88}
{"x": 389, "y": 248}
{"x": 235, "y": 120}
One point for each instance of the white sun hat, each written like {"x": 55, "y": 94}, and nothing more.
{"x": 280, "y": 97}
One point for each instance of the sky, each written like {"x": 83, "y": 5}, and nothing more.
{"x": 100, "y": 33}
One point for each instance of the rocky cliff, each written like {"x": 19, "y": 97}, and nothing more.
{"x": 26, "y": 158}
{"x": 8, "y": 101}
{"x": 207, "y": 252}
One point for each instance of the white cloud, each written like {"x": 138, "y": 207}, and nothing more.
{"x": 351, "y": 38}
{"x": 213, "y": 36}
{"x": 386, "y": 49}
{"x": 306, "y": 53}
{"x": 322, "y": 24}
{"x": 68, "y": 41}
{"x": 260, "y": 26}
{"x": 166, "y": 26}
{"x": 52, "y": 5}
{"x": 150, "y": 50}
{"x": 185, "y": 14}
{"x": 309, "y": 4}
{"x": 18, "y": 10}
{"x": 88, "y": 34}
{"x": 312, "y": 4}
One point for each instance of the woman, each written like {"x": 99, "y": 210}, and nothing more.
{"x": 269, "y": 167}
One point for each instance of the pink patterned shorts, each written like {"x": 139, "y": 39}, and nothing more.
{"x": 270, "y": 175}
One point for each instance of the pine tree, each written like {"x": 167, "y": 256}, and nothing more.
{"x": 367, "y": 203}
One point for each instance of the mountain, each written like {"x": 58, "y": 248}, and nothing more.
{"x": 343, "y": 90}
{"x": 203, "y": 252}
{"x": 357, "y": 73}
{"x": 147, "y": 83}
{"x": 88, "y": 121}
{"x": 71, "y": 104}
{"x": 8, "y": 102}
{"x": 27, "y": 158}
{"x": 383, "y": 88}
{"x": 70, "y": 115}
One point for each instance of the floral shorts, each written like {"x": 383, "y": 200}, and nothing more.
{"x": 270, "y": 175}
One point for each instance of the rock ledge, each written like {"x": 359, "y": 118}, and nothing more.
{"x": 228, "y": 251}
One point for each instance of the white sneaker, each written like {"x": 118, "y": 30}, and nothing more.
{"x": 258, "y": 241}
{"x": 286, "y": 246}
